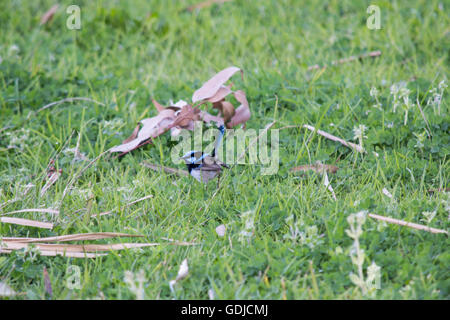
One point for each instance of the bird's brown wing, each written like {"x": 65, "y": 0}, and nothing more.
{"x": 214, "y": 162}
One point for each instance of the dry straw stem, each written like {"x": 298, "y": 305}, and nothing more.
{"x": 317, "y": 167}
{"x": 27, "y": 222}
{"x": 334, "y": 138}
{"x": 63, "y": 101}
{"x": 34, "y": 210}
{"x": 407, "y": 224}
{"x": 169, "y": 170}
{"x": 205, "y": 4}
{"x": 76, "y": 247}
{"x": 126, "y": 206}
{"x": 69, "y": 185}
{"x": 71, "y": 237}
{"x": 53, "y": 253}
{"x": 372, "y": 54}
{"x": 66, "y": 249}
{"x": 51, "y": 181}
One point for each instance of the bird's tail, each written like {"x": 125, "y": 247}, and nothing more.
{"x": 219, "y": 139}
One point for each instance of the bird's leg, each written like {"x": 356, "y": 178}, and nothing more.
{"x": 218, "y": 181}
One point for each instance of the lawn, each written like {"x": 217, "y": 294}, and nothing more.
{"x": 285, "y": 233}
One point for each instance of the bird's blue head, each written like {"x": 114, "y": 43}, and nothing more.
{"x": 194, "y": 157}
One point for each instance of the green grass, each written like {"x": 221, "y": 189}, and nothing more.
{"x": 130, "y": 51}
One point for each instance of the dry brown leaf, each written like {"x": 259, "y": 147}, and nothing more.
{"x": 318, "y": 167}
{"x": 133, "y": 135}
{"x": 71, "y": 237}
{"x": 210, "y": 87}
{"x": 151, "y": 128}
{"x": 221, "y": 94}
{"x": 407, "y": 224}
{"x": 47, "y": 283}
{"x": 158, "y": 106}
{"x": 226, "y": 109}
{"x": 49, "y": 14}
{"x": 242, "y": 113}
{"x": 206, "y": 117}
{"x": 185, "y": 117}
{"x": 27, "y": 222}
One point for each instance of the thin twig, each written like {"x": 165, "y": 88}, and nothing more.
{"x": 66, "y": 100}
{"x": 126, "y": 206}
{"x": 334, "y": 138}
{"x": 70, "y": 184}
{"x": 424, "y": 118}
{"x": 406, "y": 224}
{"x": 51, "y": 211}
{"x": 372, "y": 54}
{"x": 158, "y": 167}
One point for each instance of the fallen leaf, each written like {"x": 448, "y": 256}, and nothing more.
{"x": 226, "y": 109}
{"x": 210, "y": 87}
{"x": 242, "y": 113}
{"x": 206, "y": 117}
{"x": 151, "y": 128}
{"x": 48, "y": 16}
{"x": 27, "y": 222}
{"x": 6, "y": 291}
{"x": 183, "y": 271}
{"x": 133, "y": 135}
{"x": 221, "y": 94}
{"x": 185, "y": 117}
{"x": 47, "y": 283}
{"x": 158, "y": 106}
{"x": 220, "y": 230}
{"x": 387, "y": 193}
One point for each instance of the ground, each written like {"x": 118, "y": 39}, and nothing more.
{"x": 128, "y": 52}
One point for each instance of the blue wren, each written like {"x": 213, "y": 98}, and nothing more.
{"x": 202, "y": 166}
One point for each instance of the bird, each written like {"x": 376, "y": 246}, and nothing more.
{"x": 202, "y": 166}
